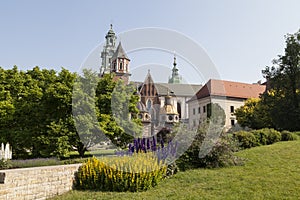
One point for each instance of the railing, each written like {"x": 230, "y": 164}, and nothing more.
{"x": 5, "y": 152}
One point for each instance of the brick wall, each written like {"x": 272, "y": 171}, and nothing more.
{"x": 37, "y": 182}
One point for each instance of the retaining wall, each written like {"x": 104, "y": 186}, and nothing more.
{"x": 37, "y": 182}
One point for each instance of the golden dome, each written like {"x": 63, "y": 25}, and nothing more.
{"x": 168, "y": 109}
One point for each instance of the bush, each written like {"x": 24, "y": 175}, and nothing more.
{"x": 246, "y": 139}
{"x": 261, "y": 136}
{"x": 254, "y": 138}
{"x": 221, "y": 153}
{"x": 288, "y": 136}
{"x": 172, "y": 169}
{"x": 273, "y": 136}
{"x": 267, "y": 136}
{"x": 138, "y": 172}
{"x": 297, "y": 133}
{"x": 5, "y": 164}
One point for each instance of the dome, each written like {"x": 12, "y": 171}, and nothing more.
{"x": 110, "y": 32}
{"x": 168, "y": 109}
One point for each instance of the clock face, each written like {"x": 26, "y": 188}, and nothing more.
{"x": 170, "y": 117}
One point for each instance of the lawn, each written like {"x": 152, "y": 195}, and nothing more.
{"x": 270, "y": 172}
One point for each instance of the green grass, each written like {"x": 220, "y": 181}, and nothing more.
{"x": 270, "y": 172}
{"x": 102, "y": 152}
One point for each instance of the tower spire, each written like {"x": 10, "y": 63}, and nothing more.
{"x": 174, "y": 63}
{"x": 108, "y": 51}
{"x": 175, "y": 78}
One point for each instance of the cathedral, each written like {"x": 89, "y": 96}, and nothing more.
{"x": 161, "y": 105}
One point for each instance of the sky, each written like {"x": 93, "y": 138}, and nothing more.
{"x": 240, "y": 38}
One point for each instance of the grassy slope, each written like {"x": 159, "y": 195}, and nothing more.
{"x": 270, "y": 172}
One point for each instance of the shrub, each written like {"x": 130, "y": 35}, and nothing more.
{"x": 288, "y": 136}
{"x": 138, "y": 172}
{"x": 297, "y": 133}
{"x": 5, "y": 164}
{"x": 267, "y": 136}
{"x": 246, "y": 139}
{"x": 172, "y": 169}
{"x": 221, "y": 153}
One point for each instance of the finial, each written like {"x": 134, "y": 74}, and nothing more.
{"x": 174, "y": 63}
{"x": 148, "y": 71}
{"x": 111, "y": 26}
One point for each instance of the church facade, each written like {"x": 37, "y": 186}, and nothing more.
{"x": 161, "y": 104}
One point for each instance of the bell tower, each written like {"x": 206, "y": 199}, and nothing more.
{"x": 108, "y": 51}
{"x": 120, "y": 64}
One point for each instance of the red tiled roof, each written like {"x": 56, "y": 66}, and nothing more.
{"x": 230, "y": 89}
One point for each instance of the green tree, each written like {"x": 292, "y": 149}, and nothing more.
{"x": 283, "y": 86}
{"x": 253, "y": 114}
{"x": 36, "y": 115}
{"x": 117, "y": 114}
{"x": 85, "y": 111}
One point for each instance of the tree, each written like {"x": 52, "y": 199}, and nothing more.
{"x": 283, "y": 86}
{"x": 117, "y": 114}
{"x": 104, "y": 109}
{"x": 85, "y": 111}
{"x": 253, "y": 114}
{"x": 36, "y": 112}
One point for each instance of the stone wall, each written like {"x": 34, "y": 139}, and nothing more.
{"x": 36, "y": 182}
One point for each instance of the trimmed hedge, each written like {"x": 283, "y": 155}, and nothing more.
{"x": 265, "y": 136}
{"x": 246, "y": 139}
{"x": 138, "y": 172}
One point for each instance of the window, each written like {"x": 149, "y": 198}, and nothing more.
{"x": 194, "y": 111}
{"x": 232, "y": 122}
{"x": 232, "y": 109}
{"x": 149, "y": 104}
{"x": 204, "y": 109}
{"x": 121, "y": 66}
{"x": 199, "y": 110}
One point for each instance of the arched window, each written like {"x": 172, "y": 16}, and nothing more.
{"x": 121, "y": 66}
{"x": 149, "y": 104}
{"x": 179, "y": 109}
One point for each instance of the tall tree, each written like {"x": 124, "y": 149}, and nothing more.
{"x": 283, "y": 86}
{"x": 117, "y": 115}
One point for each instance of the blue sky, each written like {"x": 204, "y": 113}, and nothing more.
{"x": 240, "y": 37}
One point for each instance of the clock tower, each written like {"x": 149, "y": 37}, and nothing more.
{"x": 108, "y": 51}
